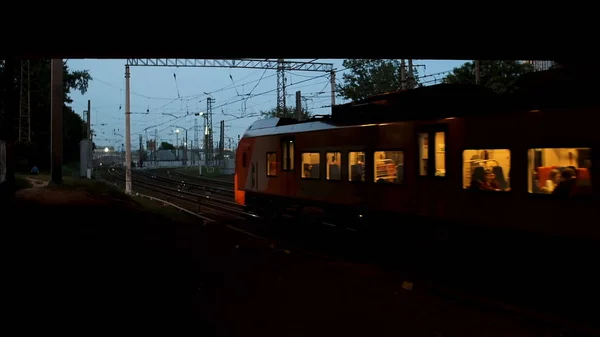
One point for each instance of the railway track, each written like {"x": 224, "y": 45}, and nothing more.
{"x": 202, "y": 203}
{"x": 203, "y": 181}
{"x": 301, "y": 236}
{"x": 217, "y": 192}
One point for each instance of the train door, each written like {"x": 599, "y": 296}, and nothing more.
{"x": 287, "y": 180}
{"x": 431, "y": 170}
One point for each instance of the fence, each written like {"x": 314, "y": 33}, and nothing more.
{"x": 2, "y": 161}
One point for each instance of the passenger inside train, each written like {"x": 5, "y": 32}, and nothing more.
{"x": 485, "y": 169}
{"x": 552, "y": 182}
{"x": 567, "y": 168}
{"x": 356, "y": 166}
{"x": 311, "y": 165}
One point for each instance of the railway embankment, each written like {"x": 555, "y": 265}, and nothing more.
{"x": 86, "y": 251}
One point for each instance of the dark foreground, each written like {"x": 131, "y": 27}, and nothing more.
{"x": 103, "y": 264}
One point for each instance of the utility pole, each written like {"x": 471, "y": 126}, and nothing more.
{"x": 56, "y": 87}
{"x": 185, "y": 147}
{"x": 222, "y": 142}
{"x": 89, "y": 134}
{"x": 192, "y": 148}
{"x": 25, "y": 104}
{"x": 477, "y": 72}
{"x": 141, "y": 152}
{"x": 127, "y": 133}
{"x": 177, "y": 144}
{"x": 196, "y": 139}
{"x": 299, "y": 106}
{"x": 332, "y": 85}
{"x": 411, "y": 77}
{"x": 89, "y": 120}
{"x": 156, "y": 146}
{"x": 402, "y": 74}
{"x": 208, "y": 131}
{"x": 281, "y": 108}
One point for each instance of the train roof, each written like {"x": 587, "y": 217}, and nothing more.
{"x": 557, "y": 88}
{"x": 275, "y": 126}
{"x": 424, "y": 103}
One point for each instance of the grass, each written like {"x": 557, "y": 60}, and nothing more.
{"x": 105, "y": 191}
{"x": 164, "y": 210}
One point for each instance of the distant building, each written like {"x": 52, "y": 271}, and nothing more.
{"x": 541, "y": 65}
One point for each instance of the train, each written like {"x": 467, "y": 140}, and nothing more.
{"x": 449, "y": 153}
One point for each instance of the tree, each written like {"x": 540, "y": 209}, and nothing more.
{"x": 38, "y": 151}
{"x": 166, "y": 146}
{"x": 289, "y": 112}
{"x": 369, "y": 77}
{"x": 500, "y": 76}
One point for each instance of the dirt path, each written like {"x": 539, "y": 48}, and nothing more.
{"x": 40, "y": 192}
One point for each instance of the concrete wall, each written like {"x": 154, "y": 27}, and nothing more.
{"x": 227, "y": 166}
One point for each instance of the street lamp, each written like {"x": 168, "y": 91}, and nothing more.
{"x": 184, "y": 142}
{"x": 176, "y": 144}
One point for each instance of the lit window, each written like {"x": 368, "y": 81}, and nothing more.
{"x": 569, "y": 168}
{"x": 311, "y": 165}
{"x": 356, "y": 166}
{"x": 334, "y": 164}
{"x": 440, "y": 154}
{"x": 486, "y": 169}
{"x": 389, "y": 167}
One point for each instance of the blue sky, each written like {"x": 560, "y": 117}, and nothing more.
{"x": 156, "y": 92}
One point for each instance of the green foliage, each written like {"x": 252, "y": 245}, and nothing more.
{"x": 166, "y": 146}
{"x": 289, "y": 112}
{"x": 369, "y": 77}
{"x": 500, "y": 76}
{"x": 38, "y": 151}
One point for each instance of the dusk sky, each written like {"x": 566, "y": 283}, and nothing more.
{"x": 161, "y": 101}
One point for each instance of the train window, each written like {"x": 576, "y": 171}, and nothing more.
{"x": 287, "y": 151}
{"x": 244, "y": 159}
{"x": 311, "y": 165}
{"x": 271, "y": 164}
{"x": 439, "y": 152}
{"x": 356, "y": 166}
{"x": 389, "y": 167}
{"x": 486, "y": 169}
{"x": 560, "y": 171}
{"x": 334, "y": 162}
{"x": 423, "y": 153}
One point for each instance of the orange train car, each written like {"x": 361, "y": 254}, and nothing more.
{"x": 454, "y": 153}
